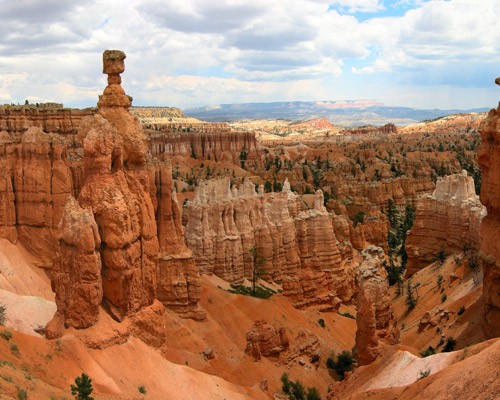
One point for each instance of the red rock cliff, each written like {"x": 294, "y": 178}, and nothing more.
{"x": 489, "y": 159}
{"x": 448, "y": 220}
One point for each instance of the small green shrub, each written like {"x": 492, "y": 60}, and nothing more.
{"x": 6, "y": 378}
{"x": 440, "y": 280}
{"x": 142, "y": 389}
{"x": 440, "y": 343}
{"x": 14, "y": 348}
{"x": 450, "y": 345}
{"x": 261, "y": 292}
{"x": 321, "y": 322}
{"x": 313, "y": 394}
{"x": 345, "y": 362}
{"x": 443, "y": 298}
{"x": 22, "y": 394}
{"x": 347, "y": 315}
{"x": 461, "y": 311}
{"x": 7, "y": 335}
{"x": 3, "y": 317}
{"x": 425, "y": 373}
{"x": 428, "y": 352}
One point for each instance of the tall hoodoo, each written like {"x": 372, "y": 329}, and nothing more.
{"x": 116, "y": 215}
{"x": 489, "y": 160}
{"x": 375, "y": 317}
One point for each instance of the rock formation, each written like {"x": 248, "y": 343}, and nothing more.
{"x": 35, "y": 180}
{"x": 109, "y": 238}
{"x": 265, "y": 339}
{"x": 179, "y": 284}
{"x": 489, "y": 159}
{"x": 49, "y": 117}
{"x": 209, "y": 141}
{"x": 298, "y": 245}
{"x": 448, "y": 220}
{"x": 375, "y": 318}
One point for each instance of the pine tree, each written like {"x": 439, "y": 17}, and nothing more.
{"x": 82, "y": 388}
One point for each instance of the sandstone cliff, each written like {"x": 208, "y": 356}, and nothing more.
{"x": 298, "y": 245}
{"x": 448, "y": 221}
{"x": 211, "y": 141}
{"x": 489, "y": 159}
{"x": 375, "y": 317}
{"x": 35, "y": 180}
{"x": 54, "y": 119}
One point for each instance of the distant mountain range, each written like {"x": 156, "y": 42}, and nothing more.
{"x": 345, "y": 113}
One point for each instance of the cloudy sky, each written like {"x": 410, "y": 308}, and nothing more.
{"x": 418, "y": 53}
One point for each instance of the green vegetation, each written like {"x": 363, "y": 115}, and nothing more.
{"x": 14, "y": 348}
{"x": 441, "y": 256}
{"x": 425, "y": 373}
{"x": 443, "y": 298}
{"x": 296, "y": 391}
{"x": 439, "y": 280}
{"x": 82, "y": 389}
{"x": 142, "y": 389}
{"x": 396, "y": 241}
{"x": 461, "y": 311}
{"x": 261, "y": 292}
{"x": 429, "y": 351}
{"x": 348, "y": 315}
{"x": 410, "y": 301}
{"x": 321, "y": 322}
{"x": 450, "y": 345}
{"x": 7, "y": 335}
{"x": 22, "y": 394}
{"x": 345, "y": 362}
{"x": 359, "y": 218}
{"x": 3, "y": 317}
{"x": 257, "y": 263}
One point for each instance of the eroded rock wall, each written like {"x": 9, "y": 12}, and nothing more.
{"x": 448, "y": 221}
{"x": 489, "y": 160}
{"x": 35, "y": 180}
{"x": 298, "y": 245}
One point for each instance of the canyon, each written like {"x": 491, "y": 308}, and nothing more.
{"x": 132, "y": 237}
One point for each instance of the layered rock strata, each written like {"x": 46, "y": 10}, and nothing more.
{"x": 35, "y": 180}
{"x": 298, "y": 246}
{"x": 375, "y": 318}
{"x": 209, "y": 141}
{"x": 489, "y": 160}
{"x": 447, "y": 221}
{"x": 51, "y": 117}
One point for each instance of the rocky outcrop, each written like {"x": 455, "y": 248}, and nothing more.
{"x": 49, "y": 117}
{"x": 265, "y": 340}
{"x": 375, "y": 317}
{"x": 448, "y": 221}
{"x": 110, "y": 241}
{"x": 489, "y": 160}
{"x": 179, "y": 285}
{"x": 298, "y": 246}
{"x": 208, "y": 141}
{"x": 35, "y": 180}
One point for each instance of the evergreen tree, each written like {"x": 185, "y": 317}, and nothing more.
{"x": 82, "y": 388}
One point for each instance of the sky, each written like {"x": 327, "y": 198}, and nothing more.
{"x": 417, "y": 53}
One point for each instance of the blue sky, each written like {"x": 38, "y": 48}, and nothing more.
{"x": 418, "y": 53}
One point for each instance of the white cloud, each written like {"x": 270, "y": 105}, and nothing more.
{"x": 245, "y": 48}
